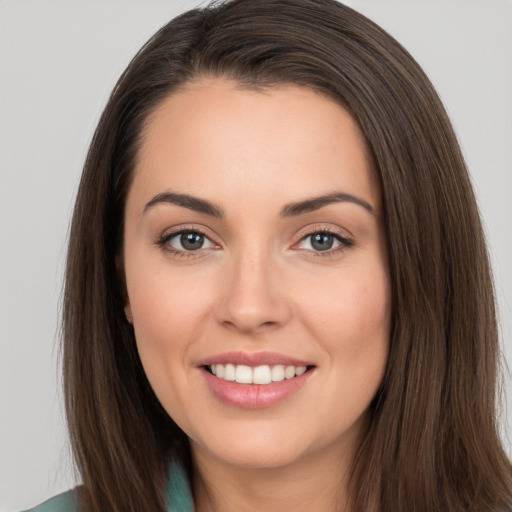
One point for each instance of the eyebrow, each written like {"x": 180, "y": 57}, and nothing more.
{"x": 315, "y": 203}
{"x": 290, "y": 210}
{"x": 186, "y": 201}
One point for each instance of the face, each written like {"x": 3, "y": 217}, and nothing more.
{"x": 256, "y": 272}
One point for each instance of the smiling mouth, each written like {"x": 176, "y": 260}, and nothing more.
{"x": 260, "y": 375}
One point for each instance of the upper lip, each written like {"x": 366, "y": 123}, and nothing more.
{"x": 253, "y": 359}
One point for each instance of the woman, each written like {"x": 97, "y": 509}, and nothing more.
{"x": 267, "y": 297}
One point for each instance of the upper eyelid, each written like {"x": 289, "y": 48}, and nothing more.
{"x": 335, "y": 234}
{"x": 171, "y": 232}
{"x": 311, "y": 230}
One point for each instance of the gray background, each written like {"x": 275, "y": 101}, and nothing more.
{"x": 58, "y": 63}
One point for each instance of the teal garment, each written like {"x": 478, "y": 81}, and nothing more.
{"x": 179, "y": 493}
{"x": 179, "y": 496}
{"x": 65, "y": 502}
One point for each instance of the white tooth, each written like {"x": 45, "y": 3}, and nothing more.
{"x": 220, "y": 371}
{"x": 213, "y": 369}
{"x": 278, "y": 373}
{"x": 243, "y": 374}
{"x": 289, "y": 372}
{"x": 229, "y": 372}
{"x": 300, "y": 370}
{"x": 262, "y": 375}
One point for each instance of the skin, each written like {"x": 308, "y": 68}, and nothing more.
{"x": 258, "y": 284}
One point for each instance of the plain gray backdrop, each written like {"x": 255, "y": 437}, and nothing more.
{"x": 58, "y": 63}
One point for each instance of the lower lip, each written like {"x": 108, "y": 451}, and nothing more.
{"x": 254, "y": 396}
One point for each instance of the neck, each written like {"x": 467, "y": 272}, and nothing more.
{"x": 317, "y": 483}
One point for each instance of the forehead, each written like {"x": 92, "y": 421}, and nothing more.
{"x": 216, "y": 137}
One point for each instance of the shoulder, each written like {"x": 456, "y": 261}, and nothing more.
{"x": 179, "y": 495}
{"x": 65, "y": 502}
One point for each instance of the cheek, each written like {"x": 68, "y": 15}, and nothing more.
{"x": 165, "y": 302}
{"x": 357, "y": 304}
{"x": 352, "y": 323}
{"x": 166, "y": 321}
{"x": 167, "y": 312}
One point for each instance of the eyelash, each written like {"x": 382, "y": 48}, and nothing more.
{"x": 344, "y": 242}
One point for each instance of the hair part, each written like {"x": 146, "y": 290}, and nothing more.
{"x": 432, "y": 443}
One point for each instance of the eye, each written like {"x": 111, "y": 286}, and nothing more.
{"x": 319, "y": 242}
{"x": 324, "y": 241}
{"x": 186, "y": 241}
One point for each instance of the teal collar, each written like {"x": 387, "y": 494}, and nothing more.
{"x": 179, "y": 494}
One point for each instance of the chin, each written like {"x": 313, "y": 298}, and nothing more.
{"x": 257, "y": 458}
{"x": 253, "y": 452}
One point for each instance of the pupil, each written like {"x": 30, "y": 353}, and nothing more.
{"x": 192, "y": 241}
{"x": 322, "y": 241}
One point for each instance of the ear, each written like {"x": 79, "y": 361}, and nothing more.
{"x": 128, "y": 313}
{"x": 121, "y": 281}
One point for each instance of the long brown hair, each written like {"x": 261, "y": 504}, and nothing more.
{"x": 432, "y": 442}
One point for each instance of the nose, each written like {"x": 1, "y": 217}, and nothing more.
{"x": 253, "y": 298}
